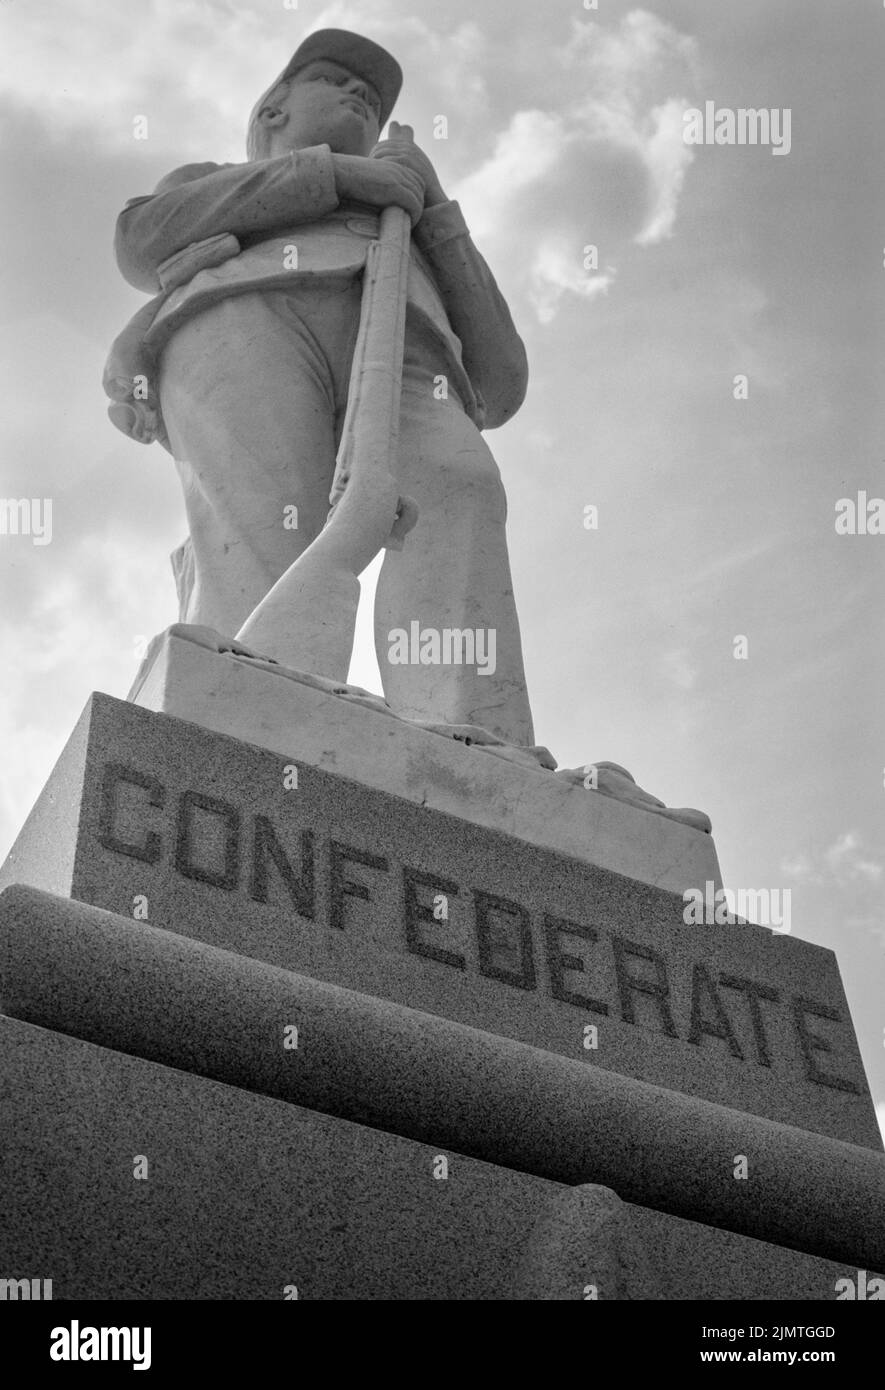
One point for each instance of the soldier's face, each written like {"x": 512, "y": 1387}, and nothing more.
{"x": 328, "y": 105}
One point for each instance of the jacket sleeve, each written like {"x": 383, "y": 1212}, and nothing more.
{"x": 202, "y": 200}
{"x": 492, "y": 350}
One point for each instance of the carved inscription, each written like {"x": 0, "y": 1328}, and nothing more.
{"x": 208, "y": 840}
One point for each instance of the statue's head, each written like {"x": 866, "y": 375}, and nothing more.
{"x": 338, "y": 89}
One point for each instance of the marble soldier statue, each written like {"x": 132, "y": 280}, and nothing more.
{"x": 240, "y": 366}
{"x": 247, "y": 352}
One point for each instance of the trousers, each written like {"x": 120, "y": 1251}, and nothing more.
{"x": 253, "y": 392}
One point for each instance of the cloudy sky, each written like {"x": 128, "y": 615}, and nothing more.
{"x": 716, "y": 515}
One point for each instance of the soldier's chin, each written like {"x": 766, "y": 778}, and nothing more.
{"x": 350, "y": 133}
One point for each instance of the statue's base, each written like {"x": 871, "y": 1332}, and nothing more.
{"x": 354, "y": 740}
{"x": 268, "y": 1026}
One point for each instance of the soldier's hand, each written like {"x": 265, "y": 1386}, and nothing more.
{"x": 400, "y": 148}
{"x": 380, "y": 184}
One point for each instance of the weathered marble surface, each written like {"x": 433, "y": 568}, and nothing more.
{"x": 244, "y": 360}
{"x": 249, "y": 354}
{"x": 206, "y": 681}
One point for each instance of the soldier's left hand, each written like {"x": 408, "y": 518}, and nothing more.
{"x": 400, "y": 146}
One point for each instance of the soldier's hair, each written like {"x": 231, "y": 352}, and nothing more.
{"x": 258, "y": 138}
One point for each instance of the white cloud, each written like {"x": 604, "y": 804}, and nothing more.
{"x": 602, "y": 169}
{"x": 622, "y": 60}
{"x": 555, "y": 271}
{"x": 524, "y": 154}
{"x": 678, "y": 669}
{"x": 845, "y": 860}
{"x": 800, "y": 868}
{"x": 667, "y": 159}
{"x": 842, "y": 863}
{"x": 191, "y": 70}
{"x": 628, "y": 70}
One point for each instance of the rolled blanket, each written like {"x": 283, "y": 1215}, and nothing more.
{"x": 129, "y": 380}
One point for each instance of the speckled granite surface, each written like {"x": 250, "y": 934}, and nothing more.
{"x": 245, "y": 1197}
{"x": 157, "y": 819}
{"x": 152, "y": 994}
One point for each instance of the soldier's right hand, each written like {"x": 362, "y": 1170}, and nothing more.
{"x": 380, "y": 183}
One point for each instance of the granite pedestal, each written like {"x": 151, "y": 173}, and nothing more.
{"x": 547, "y": 1080}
